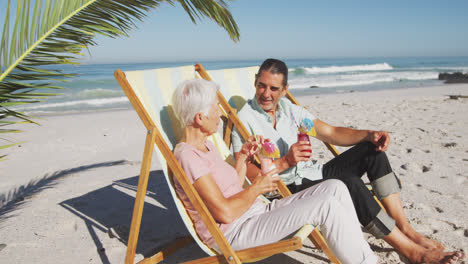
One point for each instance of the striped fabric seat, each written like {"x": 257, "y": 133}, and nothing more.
{"x": 237, "y": 85}
{"x": 155, "y": 88}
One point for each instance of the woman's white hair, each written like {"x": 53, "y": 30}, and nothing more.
{"x": 192, "y": 97}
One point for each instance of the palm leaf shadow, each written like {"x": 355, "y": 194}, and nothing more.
{"x": 18, "y": 196}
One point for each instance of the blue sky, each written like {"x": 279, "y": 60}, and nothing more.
{"x": 296, "y": 29}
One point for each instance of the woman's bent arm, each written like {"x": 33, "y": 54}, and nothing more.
{"x": 249, "y": 149}
{"x": 226, "y": 210}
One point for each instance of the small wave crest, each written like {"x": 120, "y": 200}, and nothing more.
{"x": 73, "y": 105}
{"x": 96, "y": 94}
{"x": 360, "y": 79}
{"x": 335, "y": 69}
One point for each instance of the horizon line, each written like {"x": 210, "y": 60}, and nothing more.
{"x": 255, "y": 59}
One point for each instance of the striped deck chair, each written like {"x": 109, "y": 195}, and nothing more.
{"x": 238, "y": 84}
{"x": 150, "y": 92}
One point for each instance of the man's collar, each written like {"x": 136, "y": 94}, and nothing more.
{"x": 280, "y": 107}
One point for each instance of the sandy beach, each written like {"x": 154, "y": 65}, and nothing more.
{"x": 67, "y": 191}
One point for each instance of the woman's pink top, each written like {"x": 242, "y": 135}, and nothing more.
{"x": 196, "y": 164}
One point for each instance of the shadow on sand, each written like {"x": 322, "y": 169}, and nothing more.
{"x": 109, "y": 210}
{"x": 18, "y": 196}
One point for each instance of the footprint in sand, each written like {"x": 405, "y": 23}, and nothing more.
{"x": 449, "y": 145}
{"x": 416, "y": 206}
{"x": 442, "y": 132}
{"x": 443, "y": 226}
{"x": 417, "y": 151}
{"x": 436, "y": 192}
{"x": 411, "y": 166}
{"x": 414, "y": 167}
{"x": 425, "y": 168}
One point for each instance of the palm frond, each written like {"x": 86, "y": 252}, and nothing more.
{"x": 44, "y": 33}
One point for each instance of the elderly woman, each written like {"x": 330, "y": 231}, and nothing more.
{"x": 245, "y": 220}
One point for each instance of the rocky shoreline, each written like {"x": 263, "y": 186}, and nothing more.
{"x": 456, "y": 77}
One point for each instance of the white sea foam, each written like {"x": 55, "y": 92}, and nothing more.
{"x": 359, "y": 79}
{"x": 96, "y": 93}
{"x": 461, "y": 69}
{"x": 354, "y": 68}
{"x": 72, "y": 104}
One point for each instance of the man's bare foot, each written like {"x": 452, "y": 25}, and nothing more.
{"x": 439, "y": 257}
{"x": 424, "y": 241}
{"x": 429, "y": 243}
{"x": 454, "y": 258}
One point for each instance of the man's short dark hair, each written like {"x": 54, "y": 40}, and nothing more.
{"x": 275, "y": 66}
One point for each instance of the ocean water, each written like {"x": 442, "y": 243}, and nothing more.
{"x": 96, "y": 89}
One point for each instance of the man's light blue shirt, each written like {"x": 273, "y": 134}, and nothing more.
{"x": 288, "y": 118}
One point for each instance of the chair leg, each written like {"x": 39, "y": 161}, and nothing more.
{"x": 140, "y": 198}
{"x": 169, "y": 250}
{"x": 256, "y": 253}
{"x": 321, "y": 244}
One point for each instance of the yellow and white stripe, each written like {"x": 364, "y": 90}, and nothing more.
{"x": 154, "y": 89}
{"x": 237, "y": 85}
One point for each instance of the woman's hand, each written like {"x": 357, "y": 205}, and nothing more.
{"x": 251, "y": 146}
{"x": 266, "y": 183}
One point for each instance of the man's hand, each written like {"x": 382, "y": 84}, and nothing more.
{"x": 299, "y": 151}
{"x": 381, "y": 139}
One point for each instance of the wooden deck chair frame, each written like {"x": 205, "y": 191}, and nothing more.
{"x": 233, "y": 120}
{"x": 228, "y": 255}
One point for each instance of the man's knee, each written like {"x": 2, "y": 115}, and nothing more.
{"x": 381, "y": 157}
{"x": 355, "y": 184}
{"x": 369, "y": 147}
{"x": 335, "y": 185}
{"x": 371, "y": 150}
{"x": 353, "y": 181}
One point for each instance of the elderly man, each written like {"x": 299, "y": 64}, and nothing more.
{"x": 274, "y": 117}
